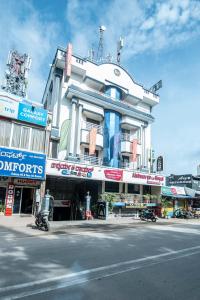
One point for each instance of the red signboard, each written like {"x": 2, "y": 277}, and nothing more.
{"x": 114, "y": 174}
{"x": 9, "y": 199}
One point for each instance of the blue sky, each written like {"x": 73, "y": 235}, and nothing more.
{"x": 162, "y": 41}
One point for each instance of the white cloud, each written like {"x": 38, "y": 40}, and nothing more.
{"x": 146, "y": 25}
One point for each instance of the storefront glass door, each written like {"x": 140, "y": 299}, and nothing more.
{"x": 17, "y": 200}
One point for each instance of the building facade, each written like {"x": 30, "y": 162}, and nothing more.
{"x": 101, "y": 133}
{"x": 24, "y": 141}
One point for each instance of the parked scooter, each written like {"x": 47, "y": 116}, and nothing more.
{"x": 147, "y": 215}
{"x": 42, "y": 217}
{"x": 183, "y": 214}
{"x": 41, "y": 220}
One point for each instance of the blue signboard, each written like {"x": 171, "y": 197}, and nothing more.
{"x": 22, "y": 164}
{"x": 32, "y": 114}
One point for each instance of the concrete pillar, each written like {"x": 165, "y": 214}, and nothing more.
{"x": 141, "y": 191}
{"x": 73, "y": 126}
{"x": 78, "y": 133}
{"x": 56, "y": 100}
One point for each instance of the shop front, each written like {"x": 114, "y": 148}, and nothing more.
{"x": 21, "y": 175}
{"x": 69, "y": 183}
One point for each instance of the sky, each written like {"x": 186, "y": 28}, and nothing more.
{"x": 161, "y": 41}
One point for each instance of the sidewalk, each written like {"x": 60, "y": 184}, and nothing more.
{"x": 26, "y": 224}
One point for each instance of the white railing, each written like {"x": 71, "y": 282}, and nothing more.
{"x": 89, "y": 126}
{"x": 125, "y": 137}
{"x": 86, "y": 159}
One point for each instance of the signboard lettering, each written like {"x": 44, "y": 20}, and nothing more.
{"x": 9, "y": 199}
{"x": 15, "y": 163}
{"x": 32, "y": 114}
{"x": 114, "y": 174}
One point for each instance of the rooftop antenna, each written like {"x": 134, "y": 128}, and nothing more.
{"x": 120, "y": 45}
{"x": 16, "y": 74}
{"x": 91, "y": 53}
{"x": 100, "y": 46}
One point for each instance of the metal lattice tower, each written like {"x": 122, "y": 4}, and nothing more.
{"x": 100, "y": 46}
{"x": 16, "y": 74}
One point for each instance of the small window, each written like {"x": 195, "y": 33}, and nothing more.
{"x": 37, "y": 140}
{"x": 133, "y": 188}
{"x": 20, "y": 137}
{"x": 92, "y": 121}
{"x": 86, "y": 152}
{"x": 5, "y": 130}
{"x": 111, "y": 187}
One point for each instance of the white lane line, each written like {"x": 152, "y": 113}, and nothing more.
{"x": 98, "y": 269}
{"x": 83, "y": 280}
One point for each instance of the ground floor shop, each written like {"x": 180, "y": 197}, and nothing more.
{"x": 128, "y": 191}
{"x": 19, "y": 196}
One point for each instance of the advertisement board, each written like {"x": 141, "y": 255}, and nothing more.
{"x": 22, "y": 164}
{"x": 71, "y": 169}
{"x": 8, "y": 108}
{"x": 11, "y": 107}
{"x": 32, "y": 114}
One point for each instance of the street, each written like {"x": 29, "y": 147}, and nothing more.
{"x": 139, "y": 261}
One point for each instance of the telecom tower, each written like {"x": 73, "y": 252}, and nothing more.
{"x": 100, "y": 51}
{"x": 17, "y": 73}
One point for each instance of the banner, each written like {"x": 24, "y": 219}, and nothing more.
{"x": 114, "y": 174}
{"x": 68, "y": 62}
{"x": 134, "y": 150}
{"x": 9, "y": 199}
{"x": 93, "y": 137}
{"x": 22, "y": 164}
{"x": 159, "y": 164}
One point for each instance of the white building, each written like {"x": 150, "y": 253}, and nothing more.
{"x": 24, "y": 140}
{"x": 101, "y": 131}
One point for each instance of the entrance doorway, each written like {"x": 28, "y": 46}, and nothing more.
{"x": 23, "y": 200}
{"x": 2, "y": 197}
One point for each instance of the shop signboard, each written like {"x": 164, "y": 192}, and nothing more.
{"x": 77, "y": 170}
{"x": 32, "y": 114}
{"x": 9, "y": 199}
{"x": 114, "y": 174}
{"x": 143, "y": 178}
{"x": 29, "y": 182}
{"x": 8, "y": 107}
{"x": 180, "y": 180}
{"x": 22, "y": 164}
{"x": 61, "y": 203}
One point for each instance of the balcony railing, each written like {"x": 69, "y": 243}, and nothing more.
{"x": 86, "y": 159}
{"x": 125, "y": 137}
{"x": 88, "y": 126}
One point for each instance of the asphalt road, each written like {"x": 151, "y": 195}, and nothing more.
{"x": 147, "y": 261}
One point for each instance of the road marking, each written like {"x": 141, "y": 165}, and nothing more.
{"x": 75, "y": 278}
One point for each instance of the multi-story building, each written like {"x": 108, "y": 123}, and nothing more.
{"x": 101, "y": 131}
{"x": 24, "y": 141}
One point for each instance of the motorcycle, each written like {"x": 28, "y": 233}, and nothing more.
{"x": 42, "y": 217}
{"x": 183, "y": 214}
{"x": 147, "y": 215}
{"x": 41, "y": 220}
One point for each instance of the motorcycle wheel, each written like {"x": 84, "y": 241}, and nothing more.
{"x": 37, "y": 223}
{"x": 47, "y": 226}
{"x": 153, "y": 219}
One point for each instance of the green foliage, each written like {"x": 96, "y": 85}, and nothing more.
{"x": 110, "y": 198}
{"x": 2, "y": 208}
{"x": 165, "y": 202}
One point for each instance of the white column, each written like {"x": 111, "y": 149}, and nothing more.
{"x": 73, "y": 124}
{"x": 78, "y": 134}
{"x": 56, "y": 102}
